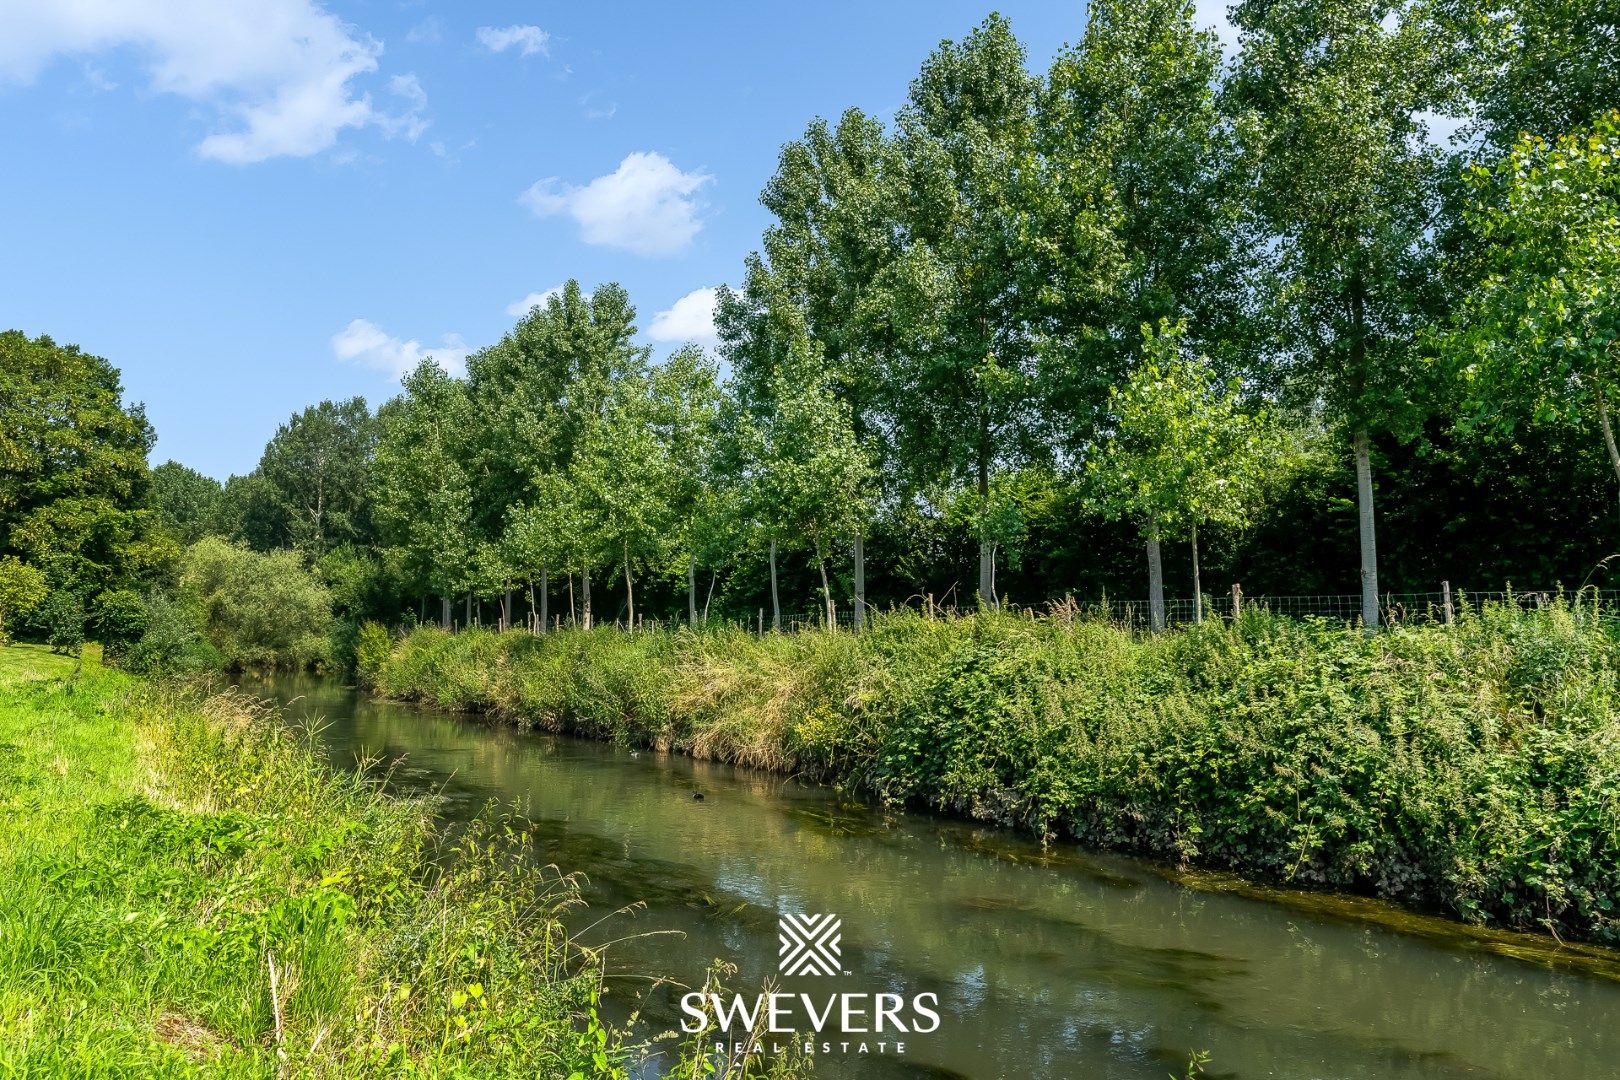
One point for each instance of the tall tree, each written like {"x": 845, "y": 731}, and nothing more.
{"x": 186, "y": 502}
{"x": 810, "y": 474}
{"x": 960, "y": 311}
{"x": 73, "y": 473}
{"x": 317, "y": 467}
{"x": 824, "y": 271}
{"x": 1331, "y": 95}
{"x": 423, "y": 493}
{"x": 1140, "y": 214}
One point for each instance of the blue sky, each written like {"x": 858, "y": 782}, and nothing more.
{"x": 251, "y": 205}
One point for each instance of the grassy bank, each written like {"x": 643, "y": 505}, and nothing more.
{"x": 1472, "y": 769}
{"x": 187, "y": 892}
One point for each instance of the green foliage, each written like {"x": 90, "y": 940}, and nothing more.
{"x": 188, "y": 504}
{"x": 59, "y": 621}
{"x": 1536, "y": 337}
{"x": 316, "y": 472}
{"x": 73, "y": 469}
{"x": 22, "y": 587}
{"x": 172, "y": 642}
{"x": 257, "y": 610}
{"x": 1466, "y": 768}
{"x": 118, "y": 619}
{"x": 373, "y": 645}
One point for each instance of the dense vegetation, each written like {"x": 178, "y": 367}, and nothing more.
{"x": 1471, "y": 769}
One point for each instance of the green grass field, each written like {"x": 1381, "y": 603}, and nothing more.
{"x": 186, "y": 892}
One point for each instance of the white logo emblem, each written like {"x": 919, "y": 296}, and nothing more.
{"x": 809, "y": 944}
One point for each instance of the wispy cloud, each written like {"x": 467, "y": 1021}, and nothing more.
{"x": 365, "y": 343}
{"x": 527, "y": 40}
{"x": 645, "y": 206}
{"x": 280, "y": 75}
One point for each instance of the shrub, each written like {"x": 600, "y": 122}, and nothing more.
{"x": 118, "y": 619}
{"x": 259, "y": 611}
{"x": 172, "y": 643}
{"x": 372, "y": 645}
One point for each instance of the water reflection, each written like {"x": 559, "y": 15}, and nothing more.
{"x": 1047, "y": 961}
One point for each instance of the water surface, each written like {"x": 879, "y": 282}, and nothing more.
{"x": 1048, "y": 962}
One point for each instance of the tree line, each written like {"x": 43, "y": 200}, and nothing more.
{"x": 1161, "y": 292}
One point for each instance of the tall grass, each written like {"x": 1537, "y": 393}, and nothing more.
{"x": 188, "y": 891}
{"x": 1472, "y": 769}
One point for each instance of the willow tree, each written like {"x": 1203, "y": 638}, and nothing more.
{"x": 1181, "y": 451}
{"x": 1539, "y": 336}
{"x": 825, "y": 258}
{"x": 965, "y": 365}
{"x": 1330, "y": 95}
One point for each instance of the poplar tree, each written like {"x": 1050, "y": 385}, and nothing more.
{"x": 1330, "y": 96}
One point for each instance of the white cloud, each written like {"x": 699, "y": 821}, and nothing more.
{"x": 691, "y": 318}
{"x": 279, "y": 73}
{"x": 365, "y": 343}
{"x": 413, "y": 121}
{"x": 528, "y": 40}
{"x": 644, "y": 206}
{"x": 521, "y": 307}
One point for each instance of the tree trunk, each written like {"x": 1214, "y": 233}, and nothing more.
{"x": 545, "y": 599}
{"x": 1155, "y": 578}
{"x": 506, "y": 609}
{"x": 713, "y": 576}
{"x": 444, "y": 612}
{"x": 469, "y": 609}
{"x": 629, "y": 589}
{"x": 585, "y": 591}
{"x": 1608, "y": 428}
{"x": 987, "y": 551}
{"x": 1198, "y": 588}
{"x": 776, "y": 599}
{"x": 826, "y": 589}
{"x": 1369, "y": 539}
{"x": 691, "y": 591}
{"x": 573, "y": 608}
{"x": 860, "y": 582}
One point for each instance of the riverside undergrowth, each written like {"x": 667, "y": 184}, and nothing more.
{"x": 189, "y": 891}
{"x": 1472, "y": 769}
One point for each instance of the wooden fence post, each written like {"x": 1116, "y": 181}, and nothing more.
{"x": 1237, "y": 600}
{"x": 1445, "y": 600}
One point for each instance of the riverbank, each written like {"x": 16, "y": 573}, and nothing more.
{"x": 187, "y": 889}
{"x": 1471, "y": 769}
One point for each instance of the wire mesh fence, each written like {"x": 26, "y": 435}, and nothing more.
{"x": 1441, "y": 605}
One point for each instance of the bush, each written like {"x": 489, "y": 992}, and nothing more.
{"x": 172, "y": 643}
{"x": 372, "y": 645}
{"x": 59, "y": 620}
{"x": 1471, "y": 768}
{"x": 259, "y": 611}
{"x": 118, "y": 619}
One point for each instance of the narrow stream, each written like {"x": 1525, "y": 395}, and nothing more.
{"x": 1046, "y": 962}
